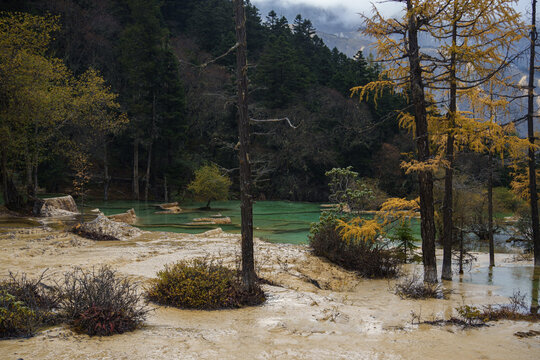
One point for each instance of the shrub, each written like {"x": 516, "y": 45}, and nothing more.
{"x": 26, "y": 305}
{"x": 100, "y": 302}
{"x": 16, "y": 319}
{"x": 201, "y": 284}
{"x": 412, "y": 287}
{"x": 373, "y": 260}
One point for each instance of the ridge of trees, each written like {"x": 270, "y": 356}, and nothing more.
{"x": 180, "y": 115}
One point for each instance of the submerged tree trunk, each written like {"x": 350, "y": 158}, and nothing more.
{"x": 530, "y": 128}
{"x": 136, "y": 169}
{"x": 249, "y": 277}
{"x": 425, "y": 178}
{"x": 490, "y": 212}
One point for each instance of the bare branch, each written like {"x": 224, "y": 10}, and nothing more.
{"x": 275, "y": 120}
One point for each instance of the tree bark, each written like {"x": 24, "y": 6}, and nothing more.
{"x": 490, "y": 212}
{"x": 448, "y": 212}
{"x": 4, "y": 174}
{"x": 147, "y": 176}
{"x": 165, "y": 190}
{"x": 249, "y": 277}
{"x": 12, "y": 198}
{"x": 530, "y": 128}
{"x": 461, "y": 250}
{"x": 106, "y": 176}
{"x": 136, "y": 169}
{"x": 425, "y": 178}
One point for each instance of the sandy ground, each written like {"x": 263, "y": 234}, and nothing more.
{"x": 348, "y": 318}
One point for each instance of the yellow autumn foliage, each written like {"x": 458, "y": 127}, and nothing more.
{"x": 369, "y": 230}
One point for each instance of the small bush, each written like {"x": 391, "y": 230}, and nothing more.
{"x": 26, "y": 305}
{"x": 101, "y": 303}
{"x": 16, "y": 319}
{"x": 373, "y": 260}
{"x": 412, "y": 287}
{"x": 201, "y": 284}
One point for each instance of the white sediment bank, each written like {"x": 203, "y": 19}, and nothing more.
{"x": 346, "y": 318}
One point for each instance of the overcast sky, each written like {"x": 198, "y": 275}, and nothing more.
{"x": 347, "y": 10}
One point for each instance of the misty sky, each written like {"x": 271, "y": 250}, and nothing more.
{"x": 347, "y": 10}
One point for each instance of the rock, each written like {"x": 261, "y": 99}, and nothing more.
{"x": 58, "y": 206}
{"x": 129, "y": 217}
{"x": 102, "y": 228}
{"x": 527, "y": 334}
{"x": 211, "y": 233}
{"x": 169, "y": 208}
{"x": 96, "y": 211}
{"x": 212, "y": 221}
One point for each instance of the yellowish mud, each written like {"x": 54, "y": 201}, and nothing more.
{"x": 346, "y": 318}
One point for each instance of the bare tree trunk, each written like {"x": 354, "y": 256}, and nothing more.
{"x": 461, "y": 250}
{"x": 147, "y": 176}
{"x": 12, "y": 198}
{"x": 29, "y": 175}
{"x": 136, "y": 169}
{"x": 35, "y": 171}
{"x": 152, "y": 135}
{"x": 106, "y": 177}
{"x": 166, "y": 192}
{"x": 535, "y": 290}
{"x": 5, "y": 192}
{"x": 490, "y": 212}
{"x": 448, "y": 212}
{"x": 530, "y": 128}
{"x": 249, "y": 277}
{"x": 425, "y": 178}
{"x": 28, "y": 161}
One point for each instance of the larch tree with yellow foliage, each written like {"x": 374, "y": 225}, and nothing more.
{"x": 398, "y": 47}
{"x": 476, "y": 41}
{"x": 530, "y": 133}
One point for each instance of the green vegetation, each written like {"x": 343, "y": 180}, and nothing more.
{"x": 405, "y": 240}
{"x": 16, "y": 319}
{"x": 201, "y": 284}
{"x": 26, "y": 305}
{"x": 369, "y": 259}
{"x": 143, "y": 57}
{"x": 209, "y": 184}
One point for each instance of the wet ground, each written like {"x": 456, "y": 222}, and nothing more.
{"x": 346, "y": 318}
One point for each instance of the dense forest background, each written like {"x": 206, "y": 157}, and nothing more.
{"x": 158, "y": 56}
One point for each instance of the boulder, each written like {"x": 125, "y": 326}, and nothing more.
{"x": 129, "y": 217}
{"x": 102, "y": 228}
{"x": 211, "y": 233}
{"x": 57, "y": 206}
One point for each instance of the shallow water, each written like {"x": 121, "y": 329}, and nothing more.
{"x": 274, "y": 221}
{"x": 507, "y": 280}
